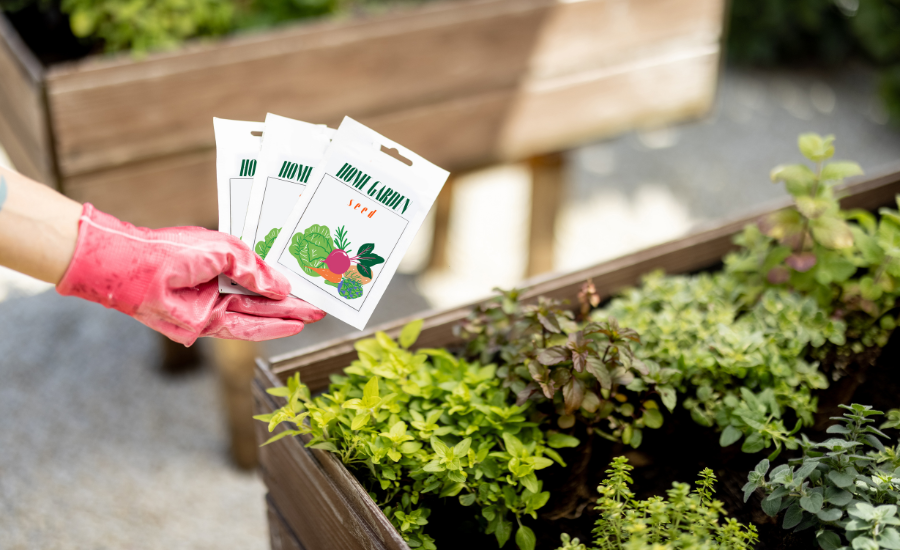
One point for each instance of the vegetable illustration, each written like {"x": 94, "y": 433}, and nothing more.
{"x": 353, "y": 273}
{"x": 263, "y": 246}
{"x": 327, "y": 274}
{"x": 339, "y": 260}
{"x": 350, "y": 289}
{"x": 311, "y": 247}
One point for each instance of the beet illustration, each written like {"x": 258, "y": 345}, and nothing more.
{"x": 338, "y": 261}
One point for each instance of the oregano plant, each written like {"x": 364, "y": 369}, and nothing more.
{"x": 420, "y": 425}
{"x": 686, "y": 518}
{"x": 847, "y": 487}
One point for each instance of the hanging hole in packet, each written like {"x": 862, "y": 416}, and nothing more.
{"x": 393, "y": 152}
{"x": 256, "y": 133}
{"x": 290, "y": 151}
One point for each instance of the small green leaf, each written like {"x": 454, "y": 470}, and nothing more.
{"x": 840, "y": 170}
{"x": 830, "y": 514}
{"x": 525, "y": 538}
{"x": 812, "y": 502}
{"x": 560, "y": 440}
{"x": 729, "y": 436}
{"x": 359, "y": 421}
{"x": 653, "y": 418}
{"x": 864, "y": 543}
{"x": 467, "y": 499}
{"x": 815, "y": 147}
{"x": 792, "y": 517}
{"x": 828, "y": 540}
{"x": 840, "y": 478}
{"x": 771, "y": 506}
{"x": 503, "y": 531}
{"x": 280, "y": 391}
{"x": 832, "y": 232}
{"x": 410, "y": 333}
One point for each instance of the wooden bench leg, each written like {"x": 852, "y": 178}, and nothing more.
{"x": 441, "y": 227}
{"x": 547, "y": 185}
{"x": 234, "y": 360}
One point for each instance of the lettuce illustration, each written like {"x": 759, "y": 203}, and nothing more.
{"x": 311, "y": 247}
{"x": 263, "y": 246}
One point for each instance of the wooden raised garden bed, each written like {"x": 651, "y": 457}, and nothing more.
{"x": 316, "y": 503}
{"x": 464, "y": 83}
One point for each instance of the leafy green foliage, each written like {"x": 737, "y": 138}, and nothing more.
{"x": 587, "y": 370}
{"x": 262, "y": 247}
{"x": 423, "y": 425}
{"x": 850, "y": 496}
{"x": 145, "y": 25}
{"x": 311, "y": 247}
{"x": 738, "y": 367}
{"x": 687, "y": 519}
{"x": 848, "y": 261}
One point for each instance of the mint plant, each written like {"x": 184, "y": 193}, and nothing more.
{"x": 685, "y": 519}
{"x": 847, "y": 487}
{"x": 422, "y": 425}
{"x": 588, "y": 371}
{"x": 849, "y": 261}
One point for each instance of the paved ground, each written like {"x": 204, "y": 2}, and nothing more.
{"x": 97, "y": 450}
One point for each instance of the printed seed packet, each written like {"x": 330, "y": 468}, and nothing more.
{"x": 237, "y": 149}
{"x": 290, "y": 150}
{"x": 346, "y": 235}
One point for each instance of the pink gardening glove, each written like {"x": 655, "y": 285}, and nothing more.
{"x": 166, "y": 279}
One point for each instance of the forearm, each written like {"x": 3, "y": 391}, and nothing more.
{"x": 38, "y": 227}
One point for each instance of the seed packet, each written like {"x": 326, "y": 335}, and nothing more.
{"x": 289, "y": 152}
{"x": 237, "y": 149}
{"x": 363, "y": 205}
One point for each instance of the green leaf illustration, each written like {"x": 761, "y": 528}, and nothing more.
{"x": 364, "y": 270}
{"x": 263, "y": 246}
{"x": 371, "y": 259}
{"x": 311, "y": 247}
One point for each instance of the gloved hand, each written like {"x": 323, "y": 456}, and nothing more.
{"x": 167, "y": 279}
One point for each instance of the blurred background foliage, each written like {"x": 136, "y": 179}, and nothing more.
{"x": 760, "y": 32}
{"x": 820, "y": 32}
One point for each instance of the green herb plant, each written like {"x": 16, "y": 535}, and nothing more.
{"x": 688, "y": 519}
{"x": 849, "y": 261}
{"x": 588, "y": 371}
{"x": 847, "y": 487}
{"x": 144, "y": 25}
{"x": 421, "y": 425}
{"x": 739, "y": 368}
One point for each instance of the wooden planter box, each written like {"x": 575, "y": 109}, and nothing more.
{"x": 464, "y": 83}
{"x": 315, "y": 503}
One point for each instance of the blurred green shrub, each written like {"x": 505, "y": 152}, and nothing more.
{"x": 143, "y": 25}
{"x": 768, "y": 32}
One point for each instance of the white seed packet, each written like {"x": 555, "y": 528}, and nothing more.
{"x": 351, "y": 227}
{"x": 290, "y": 150}
{"x": 237, "y": 149}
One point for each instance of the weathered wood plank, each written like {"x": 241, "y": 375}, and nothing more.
{"x": 280, "y": 535}
{"x": 23, "y": 122}
{"x": 177, "y": 190}
{"x": 694, "y": 252}
{"x": 376, "y": 68}
{"x": 556, "y": 113}
{"x": 322, "y": 503}
{"x": 316, "y": 72}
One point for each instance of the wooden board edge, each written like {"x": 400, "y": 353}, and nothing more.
{"x": 27, "y": 60}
